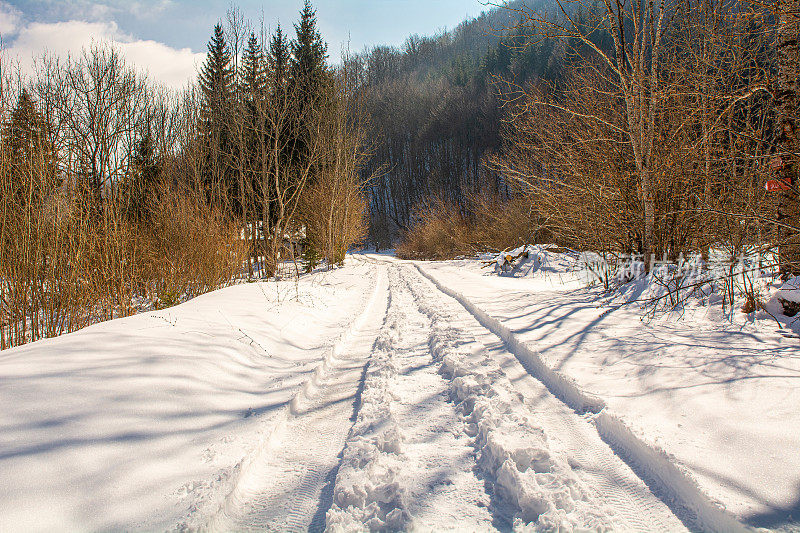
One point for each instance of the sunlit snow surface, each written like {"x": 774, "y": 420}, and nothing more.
{"x": 719, "y": 392}
{"x": 128, "y": 424}
{"x": 398, "y": 395}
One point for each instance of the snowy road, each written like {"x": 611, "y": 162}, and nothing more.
{"x": 372, "y": 397}
{"x": 421, "y": 419}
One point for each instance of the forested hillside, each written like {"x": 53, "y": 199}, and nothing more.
{"x": 640, "y": 128}
{"x": 435, "y": 106}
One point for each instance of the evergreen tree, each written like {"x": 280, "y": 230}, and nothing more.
{"x": 216, "y": 77}
{"x": 307, "y": 79}
{"x": 253, "y": 75}
{"x": 278, "y": 61}
{"x": 26, "y": 132}
{"x": 309, "y": 54}
{"x": 139, "y": 187}
{"x": 253, "y": 90}
{"x": 279, "y": 64}
{"x": 216, "y": 86}
{"x": 310, "y": 257}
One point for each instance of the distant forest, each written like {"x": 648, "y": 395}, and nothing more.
{"x": 436, "y": 106}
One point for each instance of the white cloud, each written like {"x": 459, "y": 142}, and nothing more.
{"x": 173, "y": 67}
{"x": 148, "y": 9}
{"x": 10, "y": 19}
{"x": 170, "y": 66}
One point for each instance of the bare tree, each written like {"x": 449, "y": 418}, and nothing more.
{"x": 787, "y": 97}
{"x": 634, "y": 64}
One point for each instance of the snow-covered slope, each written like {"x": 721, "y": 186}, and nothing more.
{"x": 145, "y": 422}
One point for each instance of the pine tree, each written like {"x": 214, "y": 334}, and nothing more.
{"x": 310, "y": 257}
{"x": 308, "y": 75}
{"x": 253, "y": 91}
{"x": 139, "y": 187}
{"x": 216, "y": 77}
{"x": 30, "y": 154}
{"x": 309, "y": 54}
{"x": 216, "y": 86}
{"x": 26, "y": 131}
{"x": 253, "y": 75}
{"x": 278, "y": 61}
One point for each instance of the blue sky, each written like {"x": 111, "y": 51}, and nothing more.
{"x": 166, "y": 37}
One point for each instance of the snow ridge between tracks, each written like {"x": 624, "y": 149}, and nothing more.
{"x": 367, "y": 495}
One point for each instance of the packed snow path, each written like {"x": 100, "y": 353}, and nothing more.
{"x": 420, "y": 419}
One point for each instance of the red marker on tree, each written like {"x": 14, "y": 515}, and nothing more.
{"x": 778, "y": 185}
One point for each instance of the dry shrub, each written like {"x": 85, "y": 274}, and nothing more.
{"x": 66, "y": 265}
{"x": 504, "y": 223}
{"x": 678, "y": 176}
{"x": 334, "y": 205}
{"x": 335, "y": 214}
{"x": 55, "y": 268}
{"x": 440, "y": 231}
{"x": 191, "y": 248}
{"x": 443, "y": 231}
{"x": 45, "y": 242}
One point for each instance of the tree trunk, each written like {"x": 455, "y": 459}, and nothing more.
{"x": 786, "y": 99}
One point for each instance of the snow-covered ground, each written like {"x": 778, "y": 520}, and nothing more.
{"x": 392, "y": 395}
{"x": 149, "y": 421}
{"x": 720, "y": 399}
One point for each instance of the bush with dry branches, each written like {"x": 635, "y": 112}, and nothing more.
{"x": 71, "y": 250}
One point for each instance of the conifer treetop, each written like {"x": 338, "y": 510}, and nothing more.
{"x": 279, "y": 57}
{"x": 309, "y": 50}
{"x": 253, "y": 73}
{"x": 217, "y": 74}
{"x": 26, "y": 128}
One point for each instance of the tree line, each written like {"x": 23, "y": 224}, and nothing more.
{"x": 117, "y": 194}
{"x": 646, "y": 128}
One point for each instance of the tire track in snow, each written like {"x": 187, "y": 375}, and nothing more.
{"x": 605, "y": 476}
{"x": 279, "y": 487}
{"x": 652, "y": 465}
{"x": 407, "y": 464}
{"x": 533, "y": 480}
